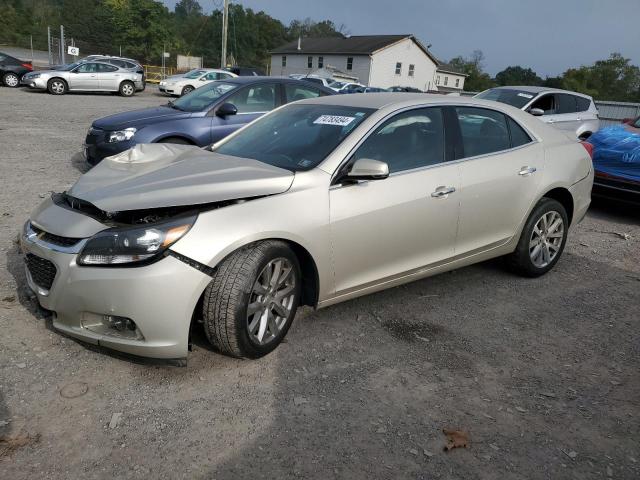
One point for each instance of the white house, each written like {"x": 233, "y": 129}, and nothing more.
{"x": 375, "y": 60}
{"x": 448, "y": 80}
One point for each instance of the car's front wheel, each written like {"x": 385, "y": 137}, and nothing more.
{"x": 252, "y": 299}
{"x": 542, "y": 240}
{"x": 57, "y": 86}
{"x": 10, "y": 79}
{"x": 187, "y": 89}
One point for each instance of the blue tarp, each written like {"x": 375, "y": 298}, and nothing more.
{"x": 616, "y": 151}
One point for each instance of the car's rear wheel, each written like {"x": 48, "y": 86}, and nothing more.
{"x": 187, "y": 89}
{"x": 10, "y": 79}
{"x": 57, "y": 86}
{"x": 542, "y": 240}
{"x": 252, "y": 299}
{"x": 127, "y": 89}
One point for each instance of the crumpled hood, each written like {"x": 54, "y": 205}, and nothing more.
{"x": 165, "y": 175}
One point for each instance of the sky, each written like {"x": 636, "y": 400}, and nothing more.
{"x": 548, "y": 36}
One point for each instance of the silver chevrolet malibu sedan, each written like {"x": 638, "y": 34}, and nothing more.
{"x": 85, "y": 77}
{"x": 318, "y": 202}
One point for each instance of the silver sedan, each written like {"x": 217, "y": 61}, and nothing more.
{"x": 85, "y": 77}
{"x": 318, "y": 202}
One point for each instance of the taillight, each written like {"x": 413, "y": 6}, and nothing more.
{"x": 27, "y": 65}
{"x": 589, "y": 148}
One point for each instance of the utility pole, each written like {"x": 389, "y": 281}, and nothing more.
{"x": 225, "y": 27}
{"x": 49, "y": 44}
{"x": 62, "y": 45}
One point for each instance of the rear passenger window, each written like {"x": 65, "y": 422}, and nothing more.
{"x": 583, "y": 104}
{"x": 518, "y": 135}
{"x": 411, "y": 139}
{"x": 104, "y": 68}
{"x": 566, "y": 103}
{"x": 296, "y": 92}
{"x": 483, "y": 131}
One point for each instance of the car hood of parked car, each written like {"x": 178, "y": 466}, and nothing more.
{"x": 140, "y": 118}
{"x": 164, "y": 175}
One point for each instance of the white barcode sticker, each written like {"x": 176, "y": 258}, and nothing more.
{"x": 525, "y": 95}
{"x": 334, "y": 120}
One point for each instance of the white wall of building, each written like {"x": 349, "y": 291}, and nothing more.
{"x": 383, "y": 68}
{"x": 298, "y": 63}
{"x": 449, "y": 80}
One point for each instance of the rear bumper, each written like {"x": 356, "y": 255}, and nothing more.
{"x": 581, "y": 193}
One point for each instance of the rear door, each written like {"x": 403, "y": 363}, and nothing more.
{"x": 252, "y": 102}
{"x": 109, "y": 77}
{"x": 566, "y": 117}
{"x": 501, "y": 167}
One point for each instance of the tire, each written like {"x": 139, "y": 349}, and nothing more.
{"x": 127, "y": 89}
{"x": 241, "y": 318}
{"x": 187, "y": 89}
{"x": 538, "y": 250}
{"x": 11, "y": 79}
{"x": 176, "y": 140}
{"x": 57, "y": 86}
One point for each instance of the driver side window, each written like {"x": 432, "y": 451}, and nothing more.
{"x": 409, "y": 140}
{"x": 87, "y": 68}
{"x": 255, "y": 99}
{"x": 546, "y": 103}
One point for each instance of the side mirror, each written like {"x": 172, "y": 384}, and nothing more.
{"x": 368, "y": 169}
{"x": 202, "y": 79}
{"x": 226, "y": 109}
{"x": 536, "y": 112}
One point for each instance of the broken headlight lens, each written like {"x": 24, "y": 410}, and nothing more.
{"x": 121, "y": 135}
{"x": 133, "y": 245}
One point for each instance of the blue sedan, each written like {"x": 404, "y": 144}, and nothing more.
{"x": 201, "y": 117}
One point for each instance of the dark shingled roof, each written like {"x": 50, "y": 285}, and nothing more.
{"x": 354, "y": 45}
{"x": 447, "y": 67}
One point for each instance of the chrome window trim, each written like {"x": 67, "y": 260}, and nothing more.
{"x": 534, "y": 140}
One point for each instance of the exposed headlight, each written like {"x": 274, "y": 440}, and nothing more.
{"x": 122, "y": 135}
{"x": 33, "y": 75}
{"x": 133, "y": 245}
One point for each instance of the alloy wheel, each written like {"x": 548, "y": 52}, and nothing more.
{"x": 127, "y": 90}
{"x": 57, "y": 86}
{"x": 271, "y": 301}
{"x": 546, "y": 239}
{"x": 11, "y": 80}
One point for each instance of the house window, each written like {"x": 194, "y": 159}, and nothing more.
{"x": 457, "y": 82}
{"x": 284, "y": 60}
{"x": 349, "y": 63}
{"x": 398, "y": 68}
{"x": 446, "y": 80}
{"x": 309, "y": 62}
{"x": 411, "y": 70}
{"x": 320, "y": 62}
{"x": 438, "y": 80}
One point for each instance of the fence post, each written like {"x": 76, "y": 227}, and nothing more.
{"x": 49, "y": 44}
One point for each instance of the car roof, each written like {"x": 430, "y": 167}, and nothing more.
{"x": 538, "y": 90}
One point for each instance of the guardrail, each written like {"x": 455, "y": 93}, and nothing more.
{"x": 154, "y": 74}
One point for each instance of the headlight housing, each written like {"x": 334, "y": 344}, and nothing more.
{"x": 31, "y": 76}
{"x": 132, "y": 246}
{"x": 121, "y": 135}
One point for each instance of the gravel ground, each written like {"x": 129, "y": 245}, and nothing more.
{"x": 542, "y": 374}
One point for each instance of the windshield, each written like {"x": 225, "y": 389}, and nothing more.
{"x": 515, "y": 98}
{"x": 203, "y": 97}
{"x": 70, "y": 66}
{"x": 338, "y": 84}
{"x": 296, "y": 137}
{"x": 194, "y": 73}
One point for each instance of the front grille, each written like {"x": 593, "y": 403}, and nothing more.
{"x": 42, "y": 271}
{"x": 94, "y": 135}
{"x": 55, "y": 239}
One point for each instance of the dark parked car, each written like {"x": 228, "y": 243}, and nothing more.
{"x": 201, "y": 117}
{"x": 404, "y": 89}
{"x": 12, "y": 70}
{"x": 246, "y": 71}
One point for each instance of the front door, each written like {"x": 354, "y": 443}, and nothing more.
{"x": 84, "y": 77}
{"x": 500, "y": 176}
{"x": 383, "y": 229}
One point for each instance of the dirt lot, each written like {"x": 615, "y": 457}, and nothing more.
{"x": 543, "y": 374}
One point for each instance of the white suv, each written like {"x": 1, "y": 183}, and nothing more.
{"x": 570, "y": 111}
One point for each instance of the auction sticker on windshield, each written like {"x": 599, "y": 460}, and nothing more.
{"x": 338, "y": 120}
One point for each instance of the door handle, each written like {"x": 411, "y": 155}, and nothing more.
{"x": 442, "y": 191}
{"x": 526, "y": 171}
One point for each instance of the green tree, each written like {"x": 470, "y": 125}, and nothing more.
{"x": 477, "y": 80}
{"x": 517, "y": 75}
